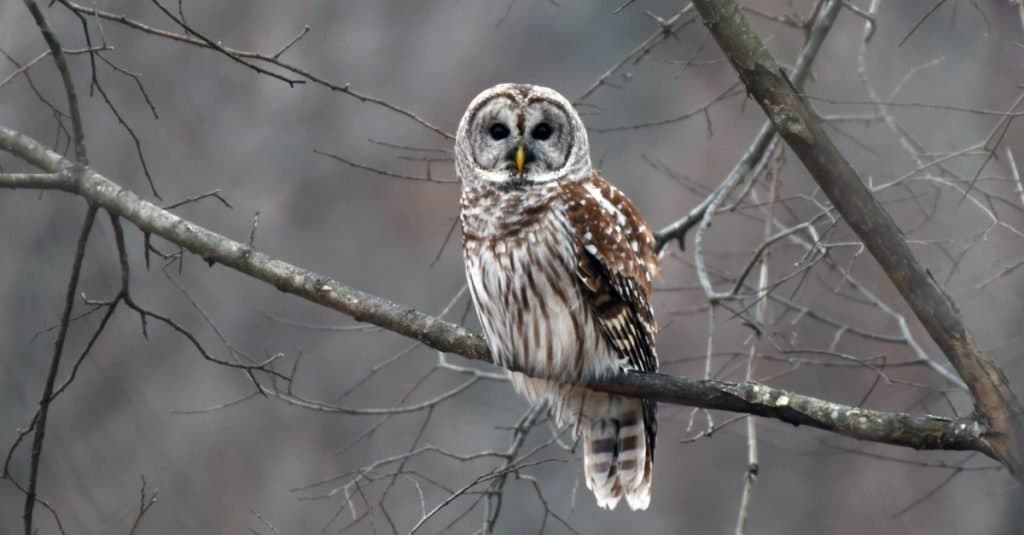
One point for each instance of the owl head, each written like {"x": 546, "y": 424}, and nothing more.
{"x": 518, "y": 135}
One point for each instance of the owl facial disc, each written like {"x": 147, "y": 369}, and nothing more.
{"x": 521, "y": 135}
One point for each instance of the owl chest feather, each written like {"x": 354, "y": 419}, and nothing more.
{"x": 521, "y": 269}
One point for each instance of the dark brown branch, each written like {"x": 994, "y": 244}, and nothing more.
{"x": 180, "y": 21}
{"x": 51, "y": 376}
{"x": 215, "y": 194}
{"x": 145, "y": 502}
{"x": 921, "y": 432}
{"x": 82, "y": 159}
{"x": 803, "y": 131}
{"x": 666, "y": 28}
{"x": 65, "y": 75}
{"x": 921, "y": 20}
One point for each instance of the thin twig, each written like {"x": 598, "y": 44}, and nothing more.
{"x": 65, "y": 75}
{"x": 255, "y": 56}
{"x": 51, "y": 376}
{"x": 666, "y": 28}
{"x": 145, "y": 503}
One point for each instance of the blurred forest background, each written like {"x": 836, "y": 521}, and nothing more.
{"x": 131, "y": 412}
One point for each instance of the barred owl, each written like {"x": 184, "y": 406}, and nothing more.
{"x": 559, "y": 265}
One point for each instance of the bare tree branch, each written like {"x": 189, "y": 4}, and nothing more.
{"x": 82, "y": 159}
{"x": 245, "y": 57}
{"x": 65, "y": 76}
{"x": 803, "y": 130}
{"x": 920, "y": 432}
{"x": 761, "y": 317}
{"x": 51, "y": 376}
{"x": 145, "y": 502}
{"x": 666, "y": 28}
{"x": 766, "y": 138}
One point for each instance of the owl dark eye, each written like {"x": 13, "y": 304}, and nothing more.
{"x": 542, "y": 131}
{"x": 498, "y": 131}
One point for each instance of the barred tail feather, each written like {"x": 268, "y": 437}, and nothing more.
{"x": 618, "y": 449}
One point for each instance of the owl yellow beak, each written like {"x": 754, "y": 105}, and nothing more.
{"x": 520, "y": 158}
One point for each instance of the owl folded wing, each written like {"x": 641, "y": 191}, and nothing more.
{"x": 615, "y": 264}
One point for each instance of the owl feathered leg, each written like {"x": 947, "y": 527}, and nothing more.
{"x": 618, "y": 436}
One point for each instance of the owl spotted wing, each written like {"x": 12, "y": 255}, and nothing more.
{"x": 615, "y": 264}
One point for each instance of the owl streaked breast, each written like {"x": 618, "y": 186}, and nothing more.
{"x": 520, "y": 264}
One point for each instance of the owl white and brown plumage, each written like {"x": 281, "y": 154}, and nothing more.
{"x": 559, "y": 264}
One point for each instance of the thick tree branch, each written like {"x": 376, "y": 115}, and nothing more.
{"x": 802, "y": 129}
{"x": 921, "y": 432}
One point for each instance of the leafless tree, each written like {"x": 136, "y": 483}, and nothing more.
{"x": 857, "y": 159}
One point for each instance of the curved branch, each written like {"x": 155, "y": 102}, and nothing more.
{"x": 803, "y": 131}
{"x": 902, "y": 429}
